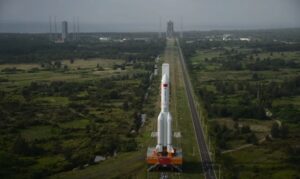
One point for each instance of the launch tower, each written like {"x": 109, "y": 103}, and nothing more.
{"x": 170, "y": 29}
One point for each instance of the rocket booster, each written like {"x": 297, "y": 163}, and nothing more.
{"x": 164, "y": 120}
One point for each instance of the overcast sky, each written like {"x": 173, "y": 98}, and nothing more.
{"x": 144, "y": 15}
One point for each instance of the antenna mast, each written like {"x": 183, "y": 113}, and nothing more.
{"x": 74, "y": 29}
{"x": 78, "y": 36}
{"x": 50, "y": 28}
{"x": 159, "y": 33}
{"x": 55, "y": 28}
{"x": 181, "y": 28}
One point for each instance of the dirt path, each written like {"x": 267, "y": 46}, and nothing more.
{"x": 243, "y": 146}
{"x": 249, "y": 145}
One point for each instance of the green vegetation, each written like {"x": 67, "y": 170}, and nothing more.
{"x": 57, "y": 114}
{"x": 28, "y": 48}
{"x": 182, "y": 120}
{"x": 132, "y": 164}
{"x": 250, "y": 91}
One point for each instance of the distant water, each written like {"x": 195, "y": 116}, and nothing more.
{"x": 14, "y": 27}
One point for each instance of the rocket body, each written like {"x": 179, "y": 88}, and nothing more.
{"x": 164, "y": 120}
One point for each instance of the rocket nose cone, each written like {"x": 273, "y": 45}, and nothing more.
{"x": 165, "y": 79}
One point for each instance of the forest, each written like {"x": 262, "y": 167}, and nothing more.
{"x": 26, "y": 48}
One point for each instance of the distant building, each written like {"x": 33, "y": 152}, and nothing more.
{"x": 145, "y": 39}
{"x": 226, "y": 37}
{"x": 170, "y": 29}
{"x": 64, "y": 33}
{"x": 245, "y": 39}
{"x": 99, "y": 158}
{"x": 104, "y": 39}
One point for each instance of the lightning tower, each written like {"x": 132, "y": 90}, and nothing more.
{"x": 181, "y": 28}
{"x": 50, "y": 28}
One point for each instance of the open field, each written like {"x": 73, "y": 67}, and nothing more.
{"x": 129, "y": 164}
{"x": 57, "y": 116}
{"x": 264, "y": 161}
{"x": 182, "y": 122}
{"x": 79, "y": 70}
{"x": 242, "y": 90}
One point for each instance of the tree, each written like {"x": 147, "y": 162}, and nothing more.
{"x": 100, "y": 68}
{"x": 9, "y": 164}
{"x": 284, "y": 131}
{"x": 20, "y": 146}
{"x": 236, "y": 125}
{"x": 129, "y": 145}
{"x": 252, "y": 139}
{"x": 57, "y": 148}
{"x": 255, "y": 76}
{"x": 293, "y": 153}
{"x": 125, "y": 106}
{"x": 65, "y": 67}
{"x": 57, "y": 64}
{"x": 245, "y": 129}
{"x": 222, "y": 143}
{"x": 275, "y": 132}
{"x": 114, "y": 94}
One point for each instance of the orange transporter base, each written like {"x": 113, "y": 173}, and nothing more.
{"x": 164, "y": 160}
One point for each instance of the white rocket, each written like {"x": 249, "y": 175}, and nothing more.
{"x": 164, "y": 120}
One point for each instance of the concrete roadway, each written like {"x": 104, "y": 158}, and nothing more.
{"x": 204, "y": 152}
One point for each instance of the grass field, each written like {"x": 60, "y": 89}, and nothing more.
{"x": 56, "y": 121}
{"x": 77, "y": 63}
{"x": 295, "y": 100}
{"x": 40, "y": 132}
{"x": 183, "y": 121}
{"x": 79, "y": 70}
{"x": 269, "y": 159}
{"x": 264, "y": 162}
{"x": 91, "y": 63}
{"x": 132, "y": 165}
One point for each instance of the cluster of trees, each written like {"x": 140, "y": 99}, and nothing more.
{"x": 238, "y": 111}
{"x": 258, "y": 64}
{"x": 249, "y": 98}
{"x": 252, "y": 98}
{"x": 54, "y": 88}
{"x": 33, "y": 48}
{"x": 234, "y": 60}
{"x": 293, "y": 152}
{"x": 222, "y": 134}
{"x": 289, "y": 113}
{"x": 11, "y": 70}
{"x": 271, "y": 64}
{"x": 106, "y": 133}
{"x": 269, "y": 36}
{"x": 276, "y": 46}
{"x": 220, "y": 104}
{"x": 279, "y": 130}
{"x": 98, "y": 117}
